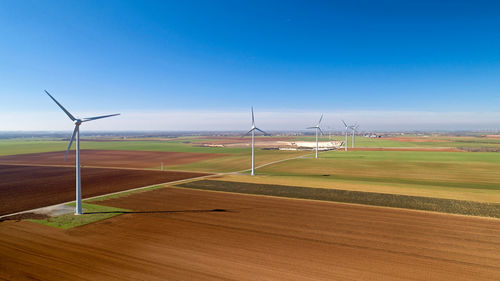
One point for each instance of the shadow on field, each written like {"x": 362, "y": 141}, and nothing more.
{"x": 158, "y": 212}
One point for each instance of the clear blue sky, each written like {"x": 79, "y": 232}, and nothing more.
{"x": 312, "y": 56}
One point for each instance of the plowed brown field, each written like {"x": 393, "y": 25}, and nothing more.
{"x": 110, "y": 158}
{"x": 176, "y": 235}
{"x": 28, "y": 187}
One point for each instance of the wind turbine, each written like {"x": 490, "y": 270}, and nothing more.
{"x": 318, "y": 129}
{"x": 252, "y": 130}
{"x": 76, "y": 133}
{"x": 346, "y": 129}
{"x": 354, "y": 128}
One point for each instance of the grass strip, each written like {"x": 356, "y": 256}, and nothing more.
{"x": 91, "y": 213}
{"x": 387, "y": 180}
{"x": 122, "y": 194}
{"x": 368, "y": 198}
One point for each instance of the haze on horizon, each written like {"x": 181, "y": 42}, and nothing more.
{"x": 390, "y": 65}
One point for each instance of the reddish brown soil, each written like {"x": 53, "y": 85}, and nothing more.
{"x": 28, "y": 187}
{"x": 416, "y": 139}
{"x": 175, "y": 235}
{"x": 493, "y": 136}
{"x": 24, "y": 216}
{"x": 110, "y": 158}
{"x": 440, "y": 149}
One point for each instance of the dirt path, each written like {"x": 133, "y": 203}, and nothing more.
{"x": 179, "y": 234}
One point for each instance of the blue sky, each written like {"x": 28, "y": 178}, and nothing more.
{"x": 358, "y": 59}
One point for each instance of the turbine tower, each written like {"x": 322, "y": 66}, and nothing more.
{"x": 252, "y": 130}
{"x": 346, "y": 129}
{"x": 76, "y": 133}
{"x": 318, "y": 130}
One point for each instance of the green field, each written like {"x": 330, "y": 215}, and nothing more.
{"x": 456, "y": 175}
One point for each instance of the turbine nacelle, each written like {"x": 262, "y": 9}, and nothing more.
{"x": 317, "y": 127}
{"x": 253, "y": 128}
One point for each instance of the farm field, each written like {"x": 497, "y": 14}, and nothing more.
{"x": 194, "y": 144}
{"x": 205, "y": 159}
{"x": 203, "y": 235}
{"x": 184, "y": 144}
{"x": 180, "y": 233}
{"x": 28, "y": 187}
{"x": 110, "y": 158}
{"x": 453, "y": 175}
{"x": 473, "y": 143}
{"x": 452, "y": 206}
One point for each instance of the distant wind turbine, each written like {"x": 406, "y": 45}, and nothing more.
{"x": 76, "y": 133}
{"x": 318, "y": 130}
{"x": 354, "y": 128}
{"x": 252, "y": 130}
{"x": 346, "y": 129}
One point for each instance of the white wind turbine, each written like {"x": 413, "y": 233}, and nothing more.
{"x": 76, "y": 133}
{"x": 252, "y": 130}
{"x": 318, "y": 130}
{"x": 346, "y": 129}
{"x": 354, "y": 128}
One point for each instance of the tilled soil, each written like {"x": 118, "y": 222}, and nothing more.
{"x": 179, "y": 234}
{"x": 110, "y": 158}
{"x": 29, "y": 187}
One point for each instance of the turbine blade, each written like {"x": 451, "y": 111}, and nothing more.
{"x": 321, "y": 131}
{"x": 344, "y": 123}
{"x": 321, "y": 118}
{"x": 99, "y": 117}
{"x": 62, "y": 107}
{"x": 70, "y": 143}
{"x": 311, "y": 127}
{"x": 248, "y": 132}
{"x": 253, "y": 119}
{"x": 266, "y": 134}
